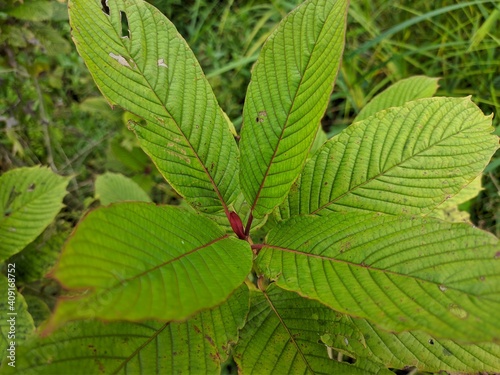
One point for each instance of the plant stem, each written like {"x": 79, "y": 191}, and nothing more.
{"x": 249, "y": 224}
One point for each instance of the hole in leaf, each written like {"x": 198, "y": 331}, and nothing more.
{"x": 125, "y": 30}
{"x": 105, "y": 7}
{"x": 348, "y": 359}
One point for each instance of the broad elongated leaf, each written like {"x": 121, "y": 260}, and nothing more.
{"x": 359, "y": 338}
{"x": 139, "y": 261}
{"x": 115, "y": 187}
{"x": 282, "y": 336}
{"x": 402, "y": 273}
{"x": 401, "y": 92}
{"x": 151, "y": 72}
{"x": 405, "y": 160}
{"x": 30, "y": 199}
{"x": 197, "y": 346}
{"x": 287, "y": 96}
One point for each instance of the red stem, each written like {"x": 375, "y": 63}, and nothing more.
{"x": 249, "y": 225}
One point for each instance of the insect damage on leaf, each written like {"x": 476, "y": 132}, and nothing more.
{"x": 120, "y": 59}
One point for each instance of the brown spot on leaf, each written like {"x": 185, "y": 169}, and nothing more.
{"x": 210, "y": 340}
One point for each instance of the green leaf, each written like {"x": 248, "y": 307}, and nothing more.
{"x": 405, "y": 160}
{"x": 400, "y": 93}
{"x": 197, "y": 346}
{"x": 139, "y": 261}
{"x": 37, "y": 308}
{"x": 287, "y": 96}
{"x": 115, "y": 187}
{"x": 34, "y": 10}
{"x": 99, "y": 107}
{"x": 402, "y": 273}
{"x": 282, "y": 336}
{"x": 449, "y": 210}
{"x": 40, "y": 256}
{"x": 30, "y": 199}
{"x": 16, "y": 324}
{"x": 359, "y": 338}
{"x": 150, "y": 71}
{"x": 321, "y": 138}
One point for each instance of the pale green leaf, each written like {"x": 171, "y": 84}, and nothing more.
{"x": 449, "y": 210}
{"x": 466, "y": 194}
{"x": 401, "y": 92}
{"x": 30, "y": 199}
{"x": 151, "y": 72}
{"x": 400, "y": 272}
{"x": 405, "y": 160}
{"x": 99, "y": 107}
{"x": 287, "y": 96}
{"x": 140, "y": 261}
{"x": 359, "y": 338}
{"x": 16, "y": 324}
{"x": 197, "y": 346}
{"x": 115, "y": 187}
{"x": 282, "y": 336}
{"x": 321, "y": 138}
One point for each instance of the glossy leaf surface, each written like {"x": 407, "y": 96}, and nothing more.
{"x": 115, "y": 187}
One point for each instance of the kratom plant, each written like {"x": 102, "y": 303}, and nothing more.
{"x": 292, "y": 254}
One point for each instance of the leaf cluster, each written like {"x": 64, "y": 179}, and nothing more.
{"x": 292, "y": 253}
